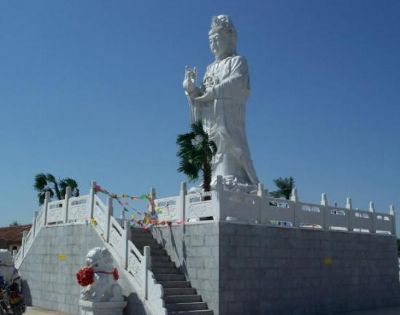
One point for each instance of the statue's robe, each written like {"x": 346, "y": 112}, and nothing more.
{"x": 224, "y": 119}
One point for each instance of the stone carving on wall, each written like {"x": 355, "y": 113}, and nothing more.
{"x": 220, "y": 103}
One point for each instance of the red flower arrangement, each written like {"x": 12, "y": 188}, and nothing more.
{"x": 85, "y": 276}
{"x": 115, "y": 274}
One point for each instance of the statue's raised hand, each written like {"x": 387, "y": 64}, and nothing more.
{"x": 189, "y": 82}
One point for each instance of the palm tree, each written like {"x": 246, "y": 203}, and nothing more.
{"x": 48, "y": 183}
{"x": 285, "y": 186}
{"x": 196, "y": 151}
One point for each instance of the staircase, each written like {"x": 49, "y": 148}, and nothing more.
{"x": 180, "y": 298}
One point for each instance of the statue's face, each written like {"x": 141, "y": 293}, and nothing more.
{"x": 220, "y": 45}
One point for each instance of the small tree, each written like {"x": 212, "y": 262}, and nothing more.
{"x": 196, "y": 151}
{"x": 48, "y": 183}
{"x": 14, "y": 223}
{"x": 285, "y": 186}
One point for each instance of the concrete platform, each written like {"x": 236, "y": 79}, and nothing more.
{"x": 31, "y": 310}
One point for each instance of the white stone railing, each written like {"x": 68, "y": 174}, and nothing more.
{"x": 78, "y": 209}
{"x": 168, "y": 209}
{"x": 52, "y": 213}
{"x": 89, "y": 209}
{"x": 260, "y": 208}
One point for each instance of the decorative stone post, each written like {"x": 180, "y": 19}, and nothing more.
{"x": 66, "y": 205}
{"x": 101, "y": 293}
{"x": 108, "y": 218}
{"x": 260, "y": 190}
{"x": 46, "y": 206}
{"x": 219, "y": 186}
{"x": 294, "y": 196}
{"x": 182, "y": 198}
{"x": 92, "y": 193}
{"x": 218, "y": 201}
{"x": 392, "y": 212}
{"x": 147, "y": 266}
{"x": 35, "y": 214}
{"x": 349, "y": 204}
{"x": 324, "y": 199}
{"x": 125, "y": 238}
{"x": 371, "y": 209}
{"x": 24, "y": 233}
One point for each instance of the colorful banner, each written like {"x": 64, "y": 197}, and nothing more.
{"x": 148, "y": 219}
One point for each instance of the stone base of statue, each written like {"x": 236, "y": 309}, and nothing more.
{"x": 101, "y": 308}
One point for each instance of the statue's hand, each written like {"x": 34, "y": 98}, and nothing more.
{"x": 189, "y": 82}
{"x": 206, "y": 97}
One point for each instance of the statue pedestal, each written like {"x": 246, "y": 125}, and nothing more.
{"x": 101, "y": 308}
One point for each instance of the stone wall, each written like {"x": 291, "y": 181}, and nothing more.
{"x": 51, "y": 264}
{"x": 48, "y": 271}
{"x": 256, "y": 269}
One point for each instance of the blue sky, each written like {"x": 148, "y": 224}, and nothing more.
{"x": 93, "y": 90}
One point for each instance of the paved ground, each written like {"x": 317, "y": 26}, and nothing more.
{"x": 386, "y": 311}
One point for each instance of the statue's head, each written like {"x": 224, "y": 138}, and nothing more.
{"x": 222, "y": 37}
{"x": 99, "y": 258}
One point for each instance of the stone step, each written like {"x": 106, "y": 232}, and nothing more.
{"x": 135, "y": 231}
{"x": 154, "y": 251}
{"x": 179, "y": 291}
{"x": 182, "y": 298}
{"x": 170, "y": 277}
{"x": 141, "y": 235}
{"x": 142, "y": 244}
{"x": 160, "y": 258}
{"x": 161, "y": 263}
{"x": 140, "y": 231}
{"x": 163, "y": 270}
{"x": 142, "y": 239}
{"x": 191, "y": 306}
{"x": 175, "y": 284}
{"x": 195, "y": 312}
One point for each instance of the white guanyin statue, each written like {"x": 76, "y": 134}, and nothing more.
{"x": 220, "y": 103}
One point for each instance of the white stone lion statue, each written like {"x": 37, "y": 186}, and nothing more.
{"x": 6, "y": 265}
{"x": 104, "y": 287}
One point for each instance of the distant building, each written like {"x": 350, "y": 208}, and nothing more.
{"x": 11, "y": 236}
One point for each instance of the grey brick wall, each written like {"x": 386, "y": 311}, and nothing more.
{"x": 256, "y": 269}
{"x": 51, "y": 283}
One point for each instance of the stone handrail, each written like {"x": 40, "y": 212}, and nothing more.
{"x": 260, "y": 208}
{"x": 130, "y": 258}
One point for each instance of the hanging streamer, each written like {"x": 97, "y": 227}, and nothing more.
{"x": 148, "y": 219}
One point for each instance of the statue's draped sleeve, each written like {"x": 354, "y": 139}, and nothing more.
{"x": 235, "y": 80}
